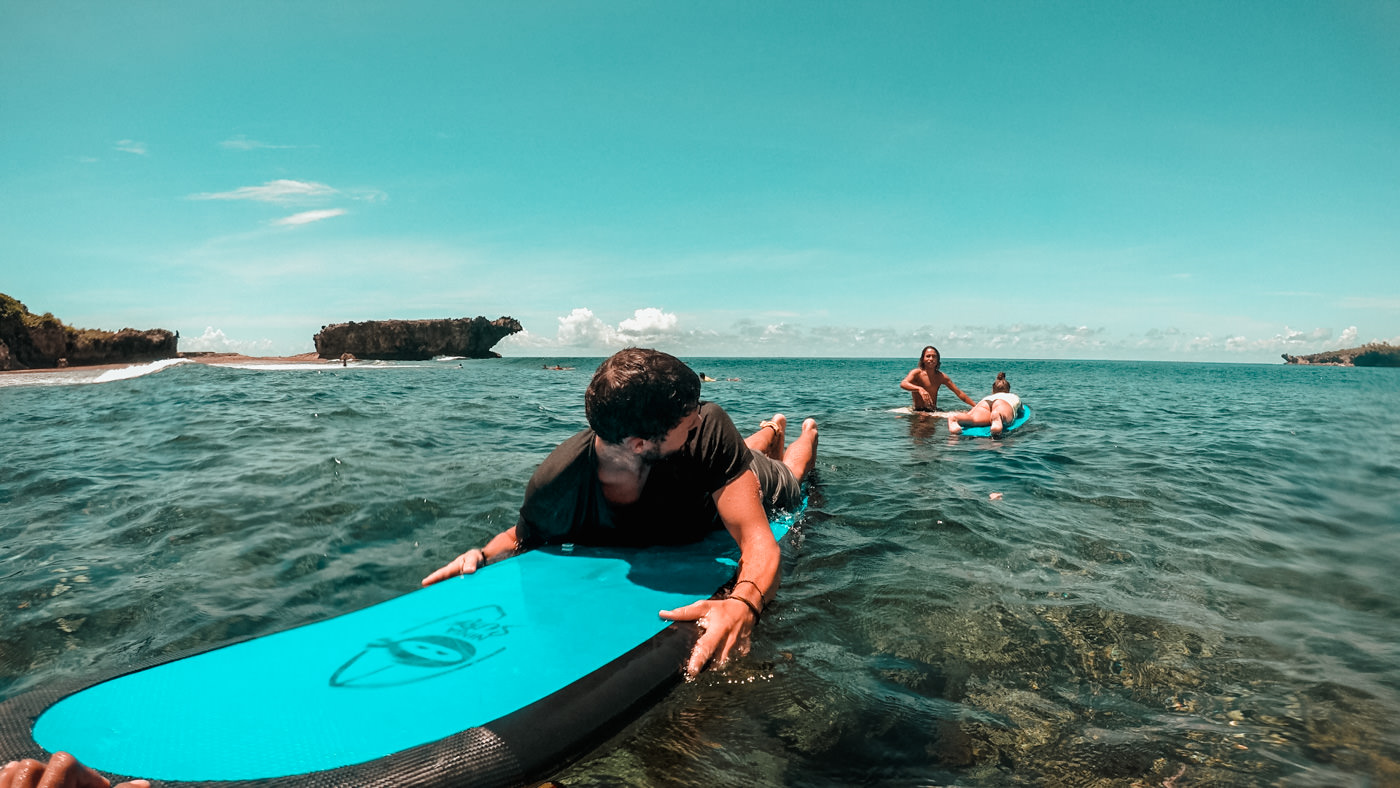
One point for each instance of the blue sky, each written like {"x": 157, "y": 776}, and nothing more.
{"x": 1215, "y": 181}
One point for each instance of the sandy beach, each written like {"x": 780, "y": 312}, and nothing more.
{"x": 239, "y": 358}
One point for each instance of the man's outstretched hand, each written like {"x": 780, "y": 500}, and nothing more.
{"x": 62, "y": 771}
{"x": 725, "y": 625}
{"x": 465, "y": 564}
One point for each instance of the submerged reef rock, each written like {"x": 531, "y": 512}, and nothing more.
{"x": 1376, "y": 354}
{"x": 30, "y": 341}
{"x": 415, "y": 340}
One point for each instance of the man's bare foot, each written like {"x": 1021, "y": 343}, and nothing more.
{"x": 810, "y": 425}
{"x": 778, "y": 440}
{"x": 779, "y": 425}
{"x": 954, "y": 427}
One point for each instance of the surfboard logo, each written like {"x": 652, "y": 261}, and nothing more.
{"x": 426, "y": 651}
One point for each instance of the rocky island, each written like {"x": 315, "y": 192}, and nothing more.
{"x": 415, "y": 340}
{"x": 30, "y": 341}
{"x": 1375, "y": 354}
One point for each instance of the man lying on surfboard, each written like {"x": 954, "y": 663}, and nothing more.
{"x": 998, "y": 409}
{"x": 923, "y": 382}
{"x": 657, "y": 466}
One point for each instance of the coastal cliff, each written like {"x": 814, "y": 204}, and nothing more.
{"x": 30, "y": 341}
{"x": 1376, "y": 354}
{"x": 415, "y": 340}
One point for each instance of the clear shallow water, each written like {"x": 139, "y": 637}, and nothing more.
{"x": 1190, "y": 577}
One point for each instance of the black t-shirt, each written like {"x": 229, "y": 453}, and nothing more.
{"x": 564, "y": 500}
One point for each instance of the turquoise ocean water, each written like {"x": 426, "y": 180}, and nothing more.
{"x": 1189, "y": 578}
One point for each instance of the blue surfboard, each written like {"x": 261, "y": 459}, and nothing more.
{"x": 986, "y": 432}
{"x": 483, "y": 680}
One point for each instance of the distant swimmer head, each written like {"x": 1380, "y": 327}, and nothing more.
{"x": 929, "y": 359}
{"x": 1001, "y": 385}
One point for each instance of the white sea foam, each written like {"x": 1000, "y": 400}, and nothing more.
{"x": 65, "y": 377}
{"x": 313, "y": 367}
{"x": 317, "y": 366}
{"x": 126, "y": 373}
{"x": 75, "y": 376}
{"x": 908, "y": 411}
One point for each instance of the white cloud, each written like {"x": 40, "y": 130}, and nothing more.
{"x": 648, "y": 321}
{"x": 279, "y": 191}
{"x": 215, "y": 341}
{"x": 584, "y": 333}
{"x": 241, "y": 142}
{"x": 1291, "y": 340}
{"x": 582, "y": 329}
{"x": 131, "y": 146}
{"x": 307, "y": 217}
{"x": 1295, "y": 337}
{"x": 366, "y": 195}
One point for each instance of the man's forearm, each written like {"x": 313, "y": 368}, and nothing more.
{"x": 503, "y": 545}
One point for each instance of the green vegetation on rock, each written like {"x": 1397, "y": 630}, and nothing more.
{"x": 30, "y": 341}
{"x": 1374, "y": 354}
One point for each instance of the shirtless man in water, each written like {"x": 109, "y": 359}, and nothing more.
{"x": 924, "y": 380}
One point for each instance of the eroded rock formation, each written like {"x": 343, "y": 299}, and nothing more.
{"x": 1375, "y": 354}
{"x": 30, "y": 341}
{"x": 415, "y": 340}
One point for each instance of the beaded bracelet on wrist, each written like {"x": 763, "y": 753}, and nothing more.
{"x": 757, "y": 614}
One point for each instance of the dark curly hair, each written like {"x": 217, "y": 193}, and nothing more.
{"x": 640, "y": 393}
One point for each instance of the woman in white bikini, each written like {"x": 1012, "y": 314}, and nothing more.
{"x": 999, "y": 409}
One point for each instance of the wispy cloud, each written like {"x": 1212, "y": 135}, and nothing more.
{"x": 279, "y": 191}
{"x": 131, "y": 146}
{"x": 288, "y": 191}
{"x": 307, "y": 217}
{"x": 366, "y": 195}
{"x": 241, "y": 142}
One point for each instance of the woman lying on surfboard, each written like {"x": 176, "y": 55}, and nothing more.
{"x": 923, "y": 382}
{"x": 998, "y": 409}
